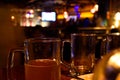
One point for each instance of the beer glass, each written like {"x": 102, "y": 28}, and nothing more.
{"x": 42, "y": 59}
{"x": 83, "y": 51}
{"x": 114, "y": 41}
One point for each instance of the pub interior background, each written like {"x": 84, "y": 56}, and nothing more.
{"x": 21, "y": 19}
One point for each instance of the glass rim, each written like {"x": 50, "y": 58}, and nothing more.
{"x": 43, "y": 39}
{"x": 83, "y": 34}
{"x": 114, "y": 34}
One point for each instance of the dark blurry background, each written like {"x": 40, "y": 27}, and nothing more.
{"x": 12, "y": 36}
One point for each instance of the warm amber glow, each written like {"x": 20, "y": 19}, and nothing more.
{"x": 117, "y": 16}
{"x": 27, "y": 15}
{"x": 96, "y": 7}
{"x": 60, "y": 16}
{"x": 113, "y": 26}
{"x": 12, "y": 17}
{"x": 31, "y": 16}
{"x": 65, "y": 15}
{"x": 45, "y": 24}
{"x": 31, "y": 11}
{"x": 116, "y": 23}
{"x": 117, "y": 19}
{"x": 92, "y": 10}
{"x": 86, "y": 15}
{"x": 115, "y": 60}
{"x": 118, "y": 77}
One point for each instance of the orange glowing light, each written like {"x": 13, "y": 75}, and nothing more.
{"x": 31, "y": 11}
{"x": 12, "y": 17}
{"x": 60, "y": 16}
{"x": 92, "y": 10}
{"x": 115, "y": 60}
{"x": 65, "y": 14}
{"x": 86, "y": 15}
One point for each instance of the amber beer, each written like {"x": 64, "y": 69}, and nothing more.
{"x": 41, "y": 59}
{"x": 42, "y": 69}
{"x": 83, "y": 51}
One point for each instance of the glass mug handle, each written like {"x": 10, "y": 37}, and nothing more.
{"x": 66, "y": 59}
{"x": 13, "y": 69}
{"x": 66, "y": 50}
